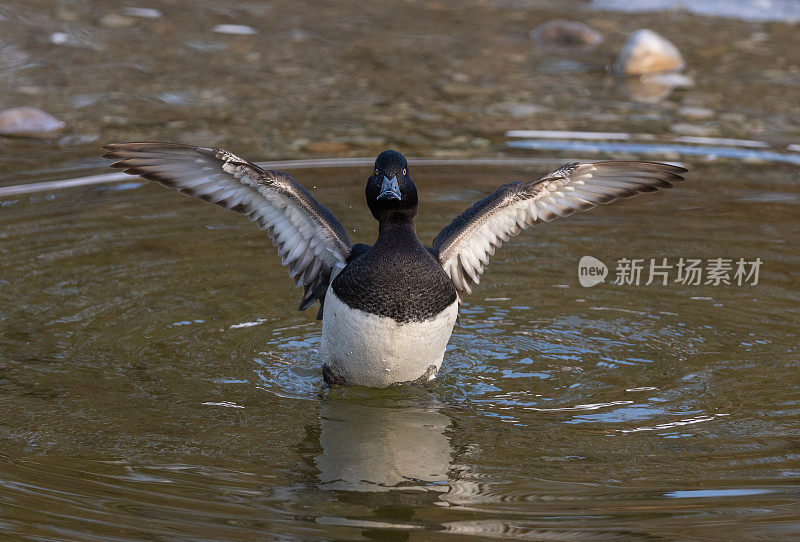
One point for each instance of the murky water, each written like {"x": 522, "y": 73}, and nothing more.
{"x": 157, "y": 382}
{"x": 157, "y": 379}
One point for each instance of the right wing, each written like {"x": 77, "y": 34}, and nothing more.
{"x": 464, "y": 247}
{"x": 310, "y": 241}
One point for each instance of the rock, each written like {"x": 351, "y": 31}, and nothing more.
{"x": 145, "y": 13}
{"x": 29, "y": 122}
{"x": 648, "y": 52}
{"x": 457, "y": 141}
{"x": 564, "y": 65}
{"x": 114, "y": 20}
{"x": 410, "y": 139}
{"x": 561, "y": 33}
{"x": 436, "y": 133}
{"x": 425, "y": 116}
{"x": 68, "y": 15}
{"x": 327, "y": 147}
{"x": 206, "y": 46}
{"x": 459, "y": 90}
{"x": 77, "y": 139}
{"x": 31, "y": 90}
{"x": 299, "y": 35}
{"x": 81, "y": 40}
{"x": 116, "y": 121}
{"x": 733, "y": 118}
{"x": 298, "y": 144}
{"x": 695, "y": 130}
{"x": 59, "y": 38}
{"x": 516, "y": 109}
{"x": 235, "y": 29}
{"x": 696, "y": 112}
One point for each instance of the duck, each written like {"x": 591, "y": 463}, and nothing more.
{"x": 387, "y": 309}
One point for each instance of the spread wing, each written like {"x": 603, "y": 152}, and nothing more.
{"x": 464, "y": 247}
{"x": 310, "y": 241}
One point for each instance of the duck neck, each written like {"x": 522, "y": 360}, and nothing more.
{"x": 396, "y": 226}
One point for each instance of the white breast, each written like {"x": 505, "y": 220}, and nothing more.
{"x": 370, "y": 350}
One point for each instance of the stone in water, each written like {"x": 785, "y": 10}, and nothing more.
{"x": 648, "y": 52}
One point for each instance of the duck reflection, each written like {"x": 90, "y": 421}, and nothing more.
{"x": 381, "y": 447}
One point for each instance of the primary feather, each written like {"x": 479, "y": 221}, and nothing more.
{"x": 310, "y": 241}
{"x": 464, "y": 247}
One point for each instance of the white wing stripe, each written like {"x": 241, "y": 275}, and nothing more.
{"x": 464, "y": 247}
{"x": 309, "y": 239}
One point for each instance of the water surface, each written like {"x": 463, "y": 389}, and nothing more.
{"x": 157, "y": 379}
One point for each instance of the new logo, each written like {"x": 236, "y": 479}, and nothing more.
{"x": 591, "y": 271}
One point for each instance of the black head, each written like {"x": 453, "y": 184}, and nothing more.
{"x": 390, "y": 189}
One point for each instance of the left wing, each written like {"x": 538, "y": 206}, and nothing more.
{"x": 464, "y": 247}
{"x": 310, "y": 241}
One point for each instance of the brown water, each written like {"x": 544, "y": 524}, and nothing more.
{"x": 157, "y": 382}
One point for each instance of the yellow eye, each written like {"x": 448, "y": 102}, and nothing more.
{"x": 404, "y": 171}
{"x": 376, "y": 172}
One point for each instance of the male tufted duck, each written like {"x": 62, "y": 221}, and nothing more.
{"x": 388, "y": 309}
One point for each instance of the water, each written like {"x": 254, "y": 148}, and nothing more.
{"x": 158, "y": 383}
{"x": 154, "y": 367}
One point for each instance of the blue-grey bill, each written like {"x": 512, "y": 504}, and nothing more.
{"x": 390, "y": 189}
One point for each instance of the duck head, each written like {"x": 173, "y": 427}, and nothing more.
{"x": 390, "y": 190}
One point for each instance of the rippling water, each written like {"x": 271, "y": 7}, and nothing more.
{"x": 157, "y": 380}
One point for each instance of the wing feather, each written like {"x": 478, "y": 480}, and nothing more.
{"x": 310, "y": 241}
{"x": 464, "y": 247}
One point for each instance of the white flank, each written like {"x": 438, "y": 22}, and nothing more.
{"x": 370, "y": 350}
